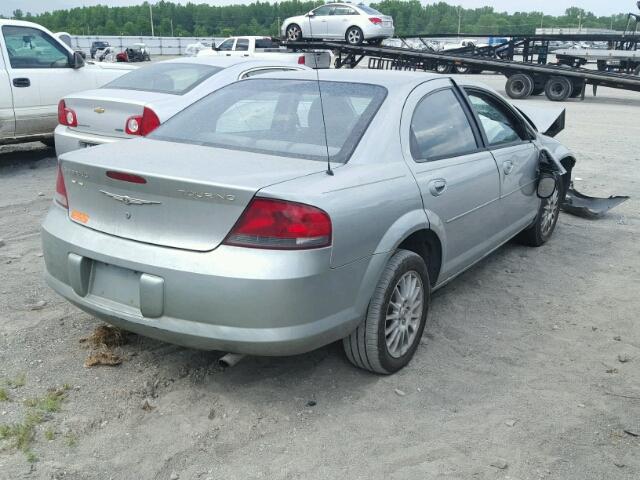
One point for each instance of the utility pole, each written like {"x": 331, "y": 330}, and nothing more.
{"x": 459, "y": 18}
{"x": 580, "y": 22}
{"x": 151, "y": 19}
{"x": 171, "y": 20}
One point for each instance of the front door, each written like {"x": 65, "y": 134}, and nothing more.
{"x": 7, "y": 119}
{"x": 318, "y": 22}
{"x": 458, "y": 178}
{"x": 40, "y": 73}
{"x": 516, "y": 156}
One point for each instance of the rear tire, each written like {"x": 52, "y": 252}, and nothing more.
{"x": 376, "y": 42}
{"x": 543, "y": 226}
{"x": 558, "y": 89}
{"x": 293, "y": 33}
{"x": 354, "y": 36}
{"x": 390, "y": 334}
{"x": 519, "y": 85}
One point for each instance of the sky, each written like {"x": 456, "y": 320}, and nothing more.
{"x": 550, "y": 7}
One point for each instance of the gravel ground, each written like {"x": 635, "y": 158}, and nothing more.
{"x": 528, "y": 368}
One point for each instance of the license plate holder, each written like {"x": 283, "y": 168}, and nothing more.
{"x": 116, "y": 284}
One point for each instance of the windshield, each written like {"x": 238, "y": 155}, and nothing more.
{"x": 279, "y": 117}
{"x": 368, "y": 10}
{"x": 174, "y": 78}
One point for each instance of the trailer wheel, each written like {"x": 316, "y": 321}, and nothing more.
{"x": 443, "y": 68}
{"x": 462, "y": 69}
{"x": 558, "y": 89}
{"x": 519, "y": 85}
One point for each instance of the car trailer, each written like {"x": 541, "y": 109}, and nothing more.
{"x": 558, "y": 82}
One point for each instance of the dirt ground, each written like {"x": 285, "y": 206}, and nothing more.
{"x": 528, "y": 369}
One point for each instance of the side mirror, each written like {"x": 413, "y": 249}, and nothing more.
{"x": 311, "y": 14}
{"x": 216, "y": 48}
{"x": 77, "y": 61}
{"x": 547, "y": 185}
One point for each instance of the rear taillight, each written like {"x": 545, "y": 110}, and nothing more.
{"x": 278, "y": 224}
{"x": 61, "y": 190}
{"x": 142, "y": 124}
{"x": 301, "y": 60}
{"x": 66, "y": 116}
{"x": 375, "y": 20}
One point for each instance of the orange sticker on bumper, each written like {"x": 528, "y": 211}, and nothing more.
{"x": 79, "y": 216}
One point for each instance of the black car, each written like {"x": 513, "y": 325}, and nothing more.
{"x": 96, "y": 46}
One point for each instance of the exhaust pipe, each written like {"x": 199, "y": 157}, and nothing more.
{"x": 230, "y": 359}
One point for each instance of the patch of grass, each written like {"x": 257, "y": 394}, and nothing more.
{"x": 49, "y": 403}
{"x": 71, "y": 440}
{"x": 31, "y": 457}
{"x": 4, "y": 396}
{"x": 19, "y": 381}
{"x": 49, "y": 434}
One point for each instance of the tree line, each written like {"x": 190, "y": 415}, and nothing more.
{"x": 264, "y": 18}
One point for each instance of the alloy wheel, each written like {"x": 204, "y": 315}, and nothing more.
{"x": 404, "y": 312}
{"x": 549, "y": 213}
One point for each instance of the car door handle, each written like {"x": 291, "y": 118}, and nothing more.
{"x": 437, "y": 187}
{"x": 21, "y": 82}
{"x": 507, "y": 167}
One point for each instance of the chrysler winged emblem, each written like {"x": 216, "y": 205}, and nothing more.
{"x": 127, "y": 200}
{"x": 98, "y": 110}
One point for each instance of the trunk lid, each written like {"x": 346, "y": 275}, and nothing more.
{"x": 192, "y": 197}
{"x": 105, "y": 111}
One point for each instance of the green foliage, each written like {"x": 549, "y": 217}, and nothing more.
{"x": 263, "y": 18}
{"x": 19, "y": 381}
{"x": 4, "y": 396}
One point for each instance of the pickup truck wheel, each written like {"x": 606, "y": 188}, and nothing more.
{"x": 540, "y": 231}
{"x": 294, "y": 33}
{"x": 390, "y": 333}
{"x": 519, "y": 85}
{"x": 558, "y": 89}
{"x": 354, "y": 36}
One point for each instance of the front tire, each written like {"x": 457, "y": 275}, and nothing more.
{"x": 293, "y": 33}
{"x": 542, "y": 228}
{"x": 390, "y": 334}
{"x": 354, "y": 36}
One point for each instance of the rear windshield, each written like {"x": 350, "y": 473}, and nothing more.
{"x": 368, "y": 10}
{"x": 279, "y": 117}
{"x": 174, "y": 78}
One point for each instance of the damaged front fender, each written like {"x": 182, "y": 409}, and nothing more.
{"x": 582, "y": 205}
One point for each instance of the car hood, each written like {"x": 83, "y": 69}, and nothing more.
{"x": 548, "y": 120}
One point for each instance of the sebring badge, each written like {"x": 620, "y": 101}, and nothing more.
{"x": 98, "y": 110}
{"x": 129, "y": 200}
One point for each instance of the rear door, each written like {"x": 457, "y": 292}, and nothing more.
{"x": 241, "y": 48}
{"x": 342, "y": 17}
{"x": 7, "y": 119}
{"x": 41, "y": 74}
{"x": 458, "y": 178}
{"x": 510, "y": 142}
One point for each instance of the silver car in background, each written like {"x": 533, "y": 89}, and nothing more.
{"x": 340, "y": 21}
{"x": 136, "y": 103}
{"x": 235, "y": 227}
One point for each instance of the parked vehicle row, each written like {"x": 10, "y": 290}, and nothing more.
{"x": 36, "y": 71}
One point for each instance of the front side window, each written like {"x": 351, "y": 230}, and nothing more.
{"x": 227, "y": 45}
{"x": 242, "y": 45}
{"x": 279, "y": 117}
{"x": 33, "y": 48}
{"x": 440, "y": 128}
{"x": 174, "y": 78}
{"x": 500, "y": 126}
{"x": 323, "y": 11}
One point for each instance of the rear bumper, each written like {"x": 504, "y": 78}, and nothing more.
{"x": 68, "y": 140}
{"x": 375, "y": 31}
{"x": 230, "y": 299}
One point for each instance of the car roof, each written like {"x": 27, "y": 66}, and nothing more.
{"x": 226, "y": 62}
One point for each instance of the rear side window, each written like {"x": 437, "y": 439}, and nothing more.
{"x": 368, "y": 10}
{"x": 242, "y": 45}
{"x": 173, "y": 78}
{"x": 279, "y": 117}
{"x": 500, "y": 125}
{"x": 440, "y": 128}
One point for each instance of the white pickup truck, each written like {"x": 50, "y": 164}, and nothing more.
{"x": 36, "y": 71}
{"x": 267, "y": 49}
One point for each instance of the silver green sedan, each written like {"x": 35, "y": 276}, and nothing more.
{"x": 266, "y": 219}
